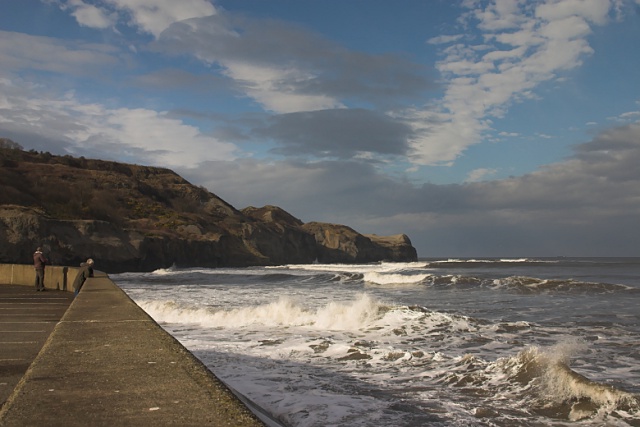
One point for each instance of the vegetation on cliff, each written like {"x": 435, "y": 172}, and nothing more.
{"x": 149, "y": 217}
{"x": 153, "y": 200}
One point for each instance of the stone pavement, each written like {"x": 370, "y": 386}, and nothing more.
{"x": 107, "y": 363}
{"x": 27, "y": 318}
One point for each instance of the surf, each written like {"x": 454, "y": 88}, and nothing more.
{"x": 284, "y": 312}
{"x": 554, "y": 390}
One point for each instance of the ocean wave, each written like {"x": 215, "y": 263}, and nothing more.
{"x": 457, "y": 281}
{"x": 286, "y": 311}
{"x": 381, "y": 267}
{"x": 384, "y": 273}
{"x": 394, "y": 279}
{"x": 347, "y": 277}
{"x": 538, "y": 381}
{"x": 554, "y": 390}
{"x": 166, "y": 271}
{"x": 392, "y": 266}
{"x": 491, "y": 261}
{"x": 535, "y": 285}
{"x": 429, "y": 347}
{"x": 329, "y": 267}
{"x": 364, "y": 313}
{"x": 521, "y": 284}
{"x": 387, "y": 274}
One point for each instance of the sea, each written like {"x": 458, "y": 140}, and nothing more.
{"x": 438, "y": 342}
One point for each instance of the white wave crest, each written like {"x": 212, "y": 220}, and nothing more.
{"x": 285, "y": 312}
{"x": 389, "y": 266}
{"x": 556, "y": 385}
{"x": 497, "y": 260}
{"x": 563, "y": 384}
{"x": 356, "y": 268}
{"x": 387, "y": 279}
{"x": 166, "y": 271}
{"x": 352, "y": 268}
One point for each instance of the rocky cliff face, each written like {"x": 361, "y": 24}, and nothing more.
{"x": 342, "y": 244}
{"x": 137, "y": 218}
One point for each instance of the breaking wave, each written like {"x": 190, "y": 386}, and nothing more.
{"x": 555, "y": 390}
{"x": 285, "y": 312}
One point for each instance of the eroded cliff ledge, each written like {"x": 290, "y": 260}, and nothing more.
{"x": 138, "y": 218}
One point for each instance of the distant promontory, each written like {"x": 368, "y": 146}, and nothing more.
{"x": 138, "y": 218}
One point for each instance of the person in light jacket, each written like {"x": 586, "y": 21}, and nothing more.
{"x": 86, "y": 271}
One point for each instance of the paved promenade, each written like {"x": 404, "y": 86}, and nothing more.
{"x": 27, "y": 318}
{"x": 104, "y": 363}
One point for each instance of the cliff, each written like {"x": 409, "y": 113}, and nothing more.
{"x": 139, "y": 218}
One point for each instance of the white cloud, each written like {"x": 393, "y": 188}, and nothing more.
{"x": 480, "y": 174}
{"x": 446, "y": 39}
{"x": 520, "y": 45}
{"x": 633, "y": 115}
{"x": 154, "y": 16}
{"x": 270, "y": 83}
{"x": 484, "y": 80}
{"x": 465, "y": 67}
{"x": 596, "y": 11}
{"x": 500, "y": 15}
{"x": 626, "y": 117}
{"x": 586, "y": 203}
{"x": 149, "y": 136}
{"x": 21, "y": 51}
{"x": 286, "y": 68}
{"x": 163, "y": 138}
{"x": 149, "y": 16}
{"x": 504, "y": 55}
{"x": 263, "y": 83}
{"x": 89, "y": 15}
{"x": 566, "y": 28}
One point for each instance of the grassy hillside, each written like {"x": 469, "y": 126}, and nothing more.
{"x": 145, "y": 198}
{"x": 140, "y": 218}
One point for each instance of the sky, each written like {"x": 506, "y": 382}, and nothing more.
{"x": 479, "y": 128}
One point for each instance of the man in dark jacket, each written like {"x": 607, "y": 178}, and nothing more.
{"x": 86, "y": 271}
{"x": 39, "y": 261}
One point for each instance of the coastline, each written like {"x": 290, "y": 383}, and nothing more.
{"x": 107, "y": 362}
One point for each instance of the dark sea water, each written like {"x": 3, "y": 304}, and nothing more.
{"x": 439, "y": 342}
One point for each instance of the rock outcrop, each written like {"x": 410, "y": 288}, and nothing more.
{"x": 342, "y": 244}
{"x": 138, "y": 218}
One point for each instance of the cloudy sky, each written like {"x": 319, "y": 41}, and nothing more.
{"x": 477, "y": 127}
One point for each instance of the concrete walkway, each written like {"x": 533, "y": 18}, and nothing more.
{"x": 27, "y": 318}
{"x": 107, "y": 363}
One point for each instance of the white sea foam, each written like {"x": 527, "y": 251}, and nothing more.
{"x": 165, "y": 271}
{"x": 285, "y": 312}
{"x": 561, "y": 384}
{"x": 548, "y": 384}
{"x": 387, "y": 278}
{"x": 356, "y": 268}
{"x": 500, "y": 260}
{"x": 316, "y": 352}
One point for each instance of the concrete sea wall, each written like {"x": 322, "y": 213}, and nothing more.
{"x": 107, "y": 363}
{"x": 55, "y": 277}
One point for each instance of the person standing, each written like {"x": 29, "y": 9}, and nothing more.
{"x": 86, "y": 271}
{"x": 39, "y": 261}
